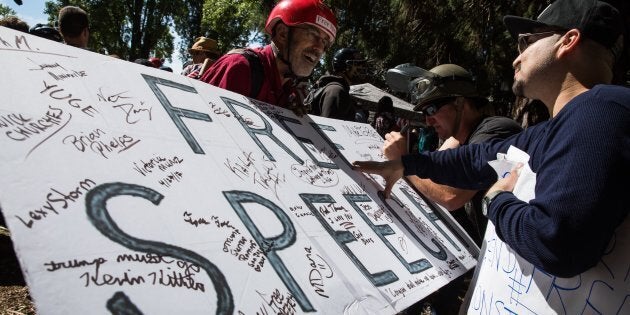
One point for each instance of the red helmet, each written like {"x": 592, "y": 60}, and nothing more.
{"x": 156, "y": 62}
{"x": 294, "y": 12}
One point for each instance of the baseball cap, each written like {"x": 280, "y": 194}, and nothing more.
{"x": 595, "y": 19}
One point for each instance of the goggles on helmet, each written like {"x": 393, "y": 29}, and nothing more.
{"x": 424, "y": 86}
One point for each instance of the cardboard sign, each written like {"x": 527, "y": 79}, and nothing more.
{"x": 131, "y": 189}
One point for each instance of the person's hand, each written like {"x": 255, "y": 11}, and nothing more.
{"x": 450, "y": 143}
{"x": 395, "y": 145}
{"x": 391, "y": 171}
{"x": 507, "y": 183}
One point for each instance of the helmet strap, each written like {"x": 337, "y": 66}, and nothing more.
{"x": 281, "y": 56}
{"x": 459, "y": 108}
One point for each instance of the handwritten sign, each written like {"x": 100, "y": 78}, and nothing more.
{"x": 505, "y": 283}
{"x": 131, "y": 189}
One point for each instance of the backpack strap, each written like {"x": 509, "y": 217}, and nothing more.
{"x": 312, "y": 100}
{"x": 257, "y": 71}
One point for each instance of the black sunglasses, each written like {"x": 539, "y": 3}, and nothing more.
{"x": 527, "y": 39}
{"x": 434, "y": 107}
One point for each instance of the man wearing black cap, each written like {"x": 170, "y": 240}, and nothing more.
{"x": 330, "y": 96}
{"x": 566, "y": 60}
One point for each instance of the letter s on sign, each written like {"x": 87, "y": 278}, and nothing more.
{"x": 95, "y": 202}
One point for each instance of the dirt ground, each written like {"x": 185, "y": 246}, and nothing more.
{"x": 14, "y": 296}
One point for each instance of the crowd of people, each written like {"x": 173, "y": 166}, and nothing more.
{"x": 565, "y": 61}
{"x": 578, "y": 131}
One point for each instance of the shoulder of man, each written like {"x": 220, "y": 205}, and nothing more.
{"x": 234, "y": 68}
{"x": 494, "y": 127}
{"x": 227, "y": 62}
{"x": 613, "y": 93}
{"x": 333, "y": 80}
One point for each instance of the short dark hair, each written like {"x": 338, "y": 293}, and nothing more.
{"x": 46, "y": 31}
{"x": 385, "y": 104}
{"x": 15, "y": 23}
{"x": 72, "y": 21}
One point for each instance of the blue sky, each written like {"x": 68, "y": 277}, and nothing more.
{"x": 32, "y": 12}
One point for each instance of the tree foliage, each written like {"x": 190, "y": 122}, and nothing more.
{"x": 390, "y": 32}
{"x": 430, "y": 32}
{"x": 5, "y": 11}
{"x": 235, "y": 23}
{"x": 188, "y": 24}
{"x": 130, "y": 29}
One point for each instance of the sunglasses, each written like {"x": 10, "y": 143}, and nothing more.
{"x": 527, "y": 39}
{"x": 434, "y": 107}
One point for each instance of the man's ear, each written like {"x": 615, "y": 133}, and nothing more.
{"x": 569, "y": 42}
{"x": 281, "y": 32}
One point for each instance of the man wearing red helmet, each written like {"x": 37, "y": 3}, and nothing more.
{"x": 156, "y": 62}
{"x": 301, "y": 31}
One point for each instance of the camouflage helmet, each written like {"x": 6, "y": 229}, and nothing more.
{"x": 443, "y": 81}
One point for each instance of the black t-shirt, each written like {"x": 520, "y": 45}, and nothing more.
{"x": 493, "y": 127}
{"x": 470, "y": 216}
{"x": 331, "y": 98}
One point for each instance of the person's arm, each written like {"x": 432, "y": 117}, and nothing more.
{"x": 449, "y": 197}
{"x": 579, "y": 192}
{"x": 579, "y": 189}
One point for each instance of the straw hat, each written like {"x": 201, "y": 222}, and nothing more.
{"x": 205, "y": 44}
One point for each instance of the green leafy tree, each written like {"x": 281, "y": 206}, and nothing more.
{"x": 5, "y": 10}
{"x": 131, "y": 29}
{"x": 428, "y": 33}
{"x": 187, "y": 20}
{"x": 389, "y": 32}
{"x": 235, "y": 23}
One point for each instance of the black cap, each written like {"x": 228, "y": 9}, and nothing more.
{"x": 46, "y": 31}
{"x": 343, "y": 55}
{"x": 596, "y": 20}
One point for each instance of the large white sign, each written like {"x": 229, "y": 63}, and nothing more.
{"x": 130, "y": 189}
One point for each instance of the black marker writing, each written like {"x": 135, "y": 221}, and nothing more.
{"x": 95, "y": 143}
{"x": 56, "y": 200}
{"x": 22, "y": 128}
{"x": 60, "y": 94}
{"x": 74, "y": 263}
{"x": 156, "y": 163}
{"x": 98, "y": 214}
{"x": 319, "y": 271}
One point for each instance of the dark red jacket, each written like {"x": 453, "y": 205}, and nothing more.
{"x": 232, "y": 72}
